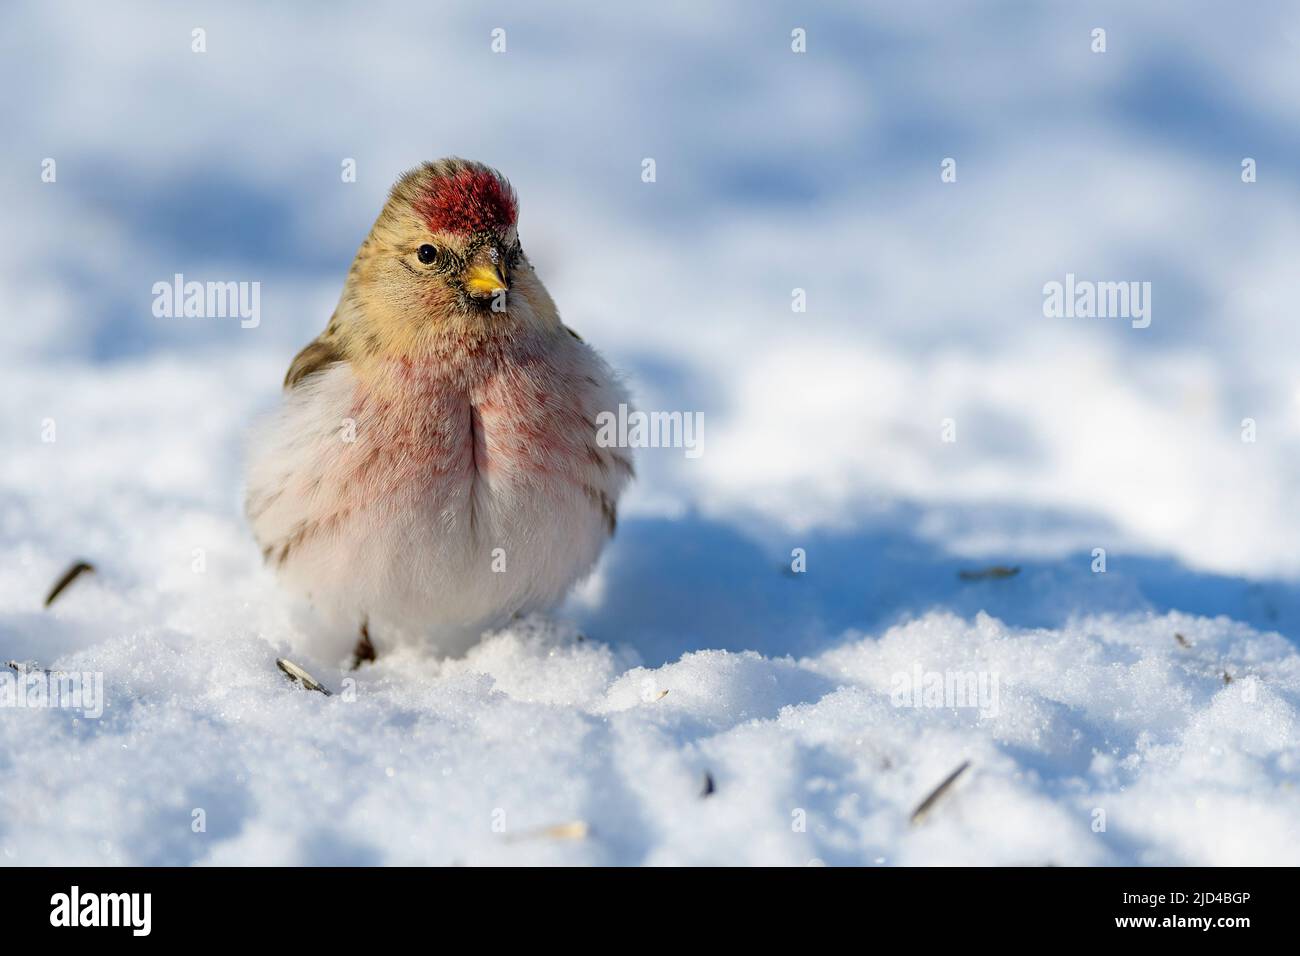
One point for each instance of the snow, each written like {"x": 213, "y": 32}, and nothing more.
{"x": 814, "y": 754}
{"x": 416, "y": 761}
{"x": 124, "y": 434}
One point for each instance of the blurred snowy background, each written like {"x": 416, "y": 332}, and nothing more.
{"x": 775, "y": 171}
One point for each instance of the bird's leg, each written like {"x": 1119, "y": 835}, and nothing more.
{"x": 364, "y": 652}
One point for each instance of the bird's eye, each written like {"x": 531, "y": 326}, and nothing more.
{"x": 426, "y": 253}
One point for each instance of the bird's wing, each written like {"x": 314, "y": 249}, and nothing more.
{"x": 322, "y": 352}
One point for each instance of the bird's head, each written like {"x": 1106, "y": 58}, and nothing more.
{"x": 444, "y": 258}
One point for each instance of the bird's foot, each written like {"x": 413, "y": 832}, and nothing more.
{"x": 364, "y": 652}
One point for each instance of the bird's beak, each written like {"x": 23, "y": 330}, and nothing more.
{"x": 484, "y": 280}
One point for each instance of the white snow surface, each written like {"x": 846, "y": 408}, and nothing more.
{"x": 414, "y": 760}
{"x": 418, "y": 762}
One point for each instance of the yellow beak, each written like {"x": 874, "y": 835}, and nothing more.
{"x": 484, "y": 280}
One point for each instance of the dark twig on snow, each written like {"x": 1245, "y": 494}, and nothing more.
{"x": 70, "y": 575}
{"x": 995, "y": 573}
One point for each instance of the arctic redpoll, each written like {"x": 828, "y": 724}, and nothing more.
{"x": 434, "y": 468}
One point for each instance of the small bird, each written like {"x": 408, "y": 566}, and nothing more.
{"x": 434, "y": 468}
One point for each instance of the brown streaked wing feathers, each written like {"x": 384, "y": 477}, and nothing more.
{"x": 318, "y": 355}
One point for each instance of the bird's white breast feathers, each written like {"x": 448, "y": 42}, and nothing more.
{"x": 434, "y": 510}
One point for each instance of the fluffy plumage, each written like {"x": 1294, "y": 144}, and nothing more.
{"x": 434, "y": 469}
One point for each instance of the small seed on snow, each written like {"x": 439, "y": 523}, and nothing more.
{"x": 300, "y": 676}
{"x": 70, "y": 575}
{"x": 573, "y": 830}
{"x": 28, "y": 667}
{"x": 926, "y": 805}
{"x": 707, "y": 786}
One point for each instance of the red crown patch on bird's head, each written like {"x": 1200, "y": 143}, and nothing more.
{"x": 468, "y": 201}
